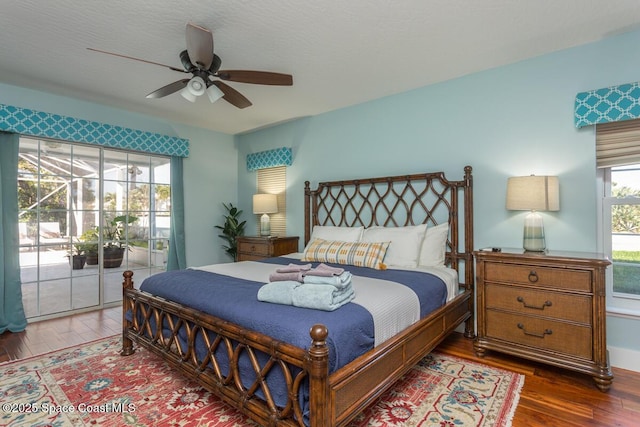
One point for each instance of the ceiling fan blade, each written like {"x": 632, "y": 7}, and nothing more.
{"x": 169, "y": 89}
{"x": 199, "y": 46}
{"x": 136, "y": 59}
{"x": 232, "y": 96}
{"x": 256, "y": 77}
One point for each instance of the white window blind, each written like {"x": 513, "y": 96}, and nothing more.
{"x": 618, "y": 143}
{"x": 274, "y": 181}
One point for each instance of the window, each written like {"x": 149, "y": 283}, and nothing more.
{"x": 86, "y": 214}
{"x": 618, "y": 157}
{"x": 274, "y": 181}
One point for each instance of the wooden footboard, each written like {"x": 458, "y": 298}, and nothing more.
{"x": 334, "y": 399}
{"x": 143, "y": 313}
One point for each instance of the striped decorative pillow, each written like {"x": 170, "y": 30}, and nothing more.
{"x": 360, "y": 254}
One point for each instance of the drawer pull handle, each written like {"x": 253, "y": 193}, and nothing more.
{"x": 533, "y": 276}
{"x": 253, "y": 248}
{"x": 533, "y": 334}
{"x": 545, "y": 304}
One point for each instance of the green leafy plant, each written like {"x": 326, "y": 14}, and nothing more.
{"x": 113, "y": 230}
{"x": 88, "y": 241}
{"x": 77, "y": 255}
{"x": 231, "y": 229}
{"x": 78, "y": 249}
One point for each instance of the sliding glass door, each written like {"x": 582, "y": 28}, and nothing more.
{"x": 87, "y": 213}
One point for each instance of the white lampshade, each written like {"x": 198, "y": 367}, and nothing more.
{"x": 265, "y": 204}
{"x": 186, "y": 94}
{"x": 196, "y": 86}
{"x": 214, "y": 93}
{"x": 533, "y": 193}
{"x": 193, "y": 89}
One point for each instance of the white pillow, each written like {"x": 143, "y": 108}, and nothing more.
{"x": 331, "y": 232}
{"x": 434, "y": 246}
{"x": 344, "y": 234}
{"x": 404, "y": 249}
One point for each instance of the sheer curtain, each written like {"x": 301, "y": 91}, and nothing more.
{"x": 12, "y": 315}
{"x": 177, "y": 258}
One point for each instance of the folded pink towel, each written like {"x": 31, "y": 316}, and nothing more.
{"x": 324, "y": 270}
{"x": 279, "y": 277}
{"x": 294, "y": 268}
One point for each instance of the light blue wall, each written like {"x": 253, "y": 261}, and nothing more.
{"x": 513, "y": 120}
{"x": 210, "y": 172}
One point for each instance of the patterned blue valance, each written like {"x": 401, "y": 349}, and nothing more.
{"x": 270, "y": 159}
{"x": 611, "y": 104}
{"x": 47, "y": 125}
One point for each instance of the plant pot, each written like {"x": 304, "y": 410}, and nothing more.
{"x": 92, "y": 258}
{"x": 77, "y": 261}
{"x": 112, "y": 257}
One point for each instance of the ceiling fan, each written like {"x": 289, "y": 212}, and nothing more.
{"x": 203, "y": 64}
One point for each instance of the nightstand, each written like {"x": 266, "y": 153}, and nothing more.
{"x": 547, "y": 307}
{"x": 253, "y": 248}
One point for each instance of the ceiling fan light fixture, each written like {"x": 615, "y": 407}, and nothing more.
{"x": 186, "y": 94}
{"x": 214, "y": 93}
{"x": 197, "y": 86}
{"x": 199, "y": 60}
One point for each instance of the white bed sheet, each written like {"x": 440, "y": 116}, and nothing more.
{"x": 393, "y": 306}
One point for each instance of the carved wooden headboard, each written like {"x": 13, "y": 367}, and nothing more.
{"x": 427, "y": 198}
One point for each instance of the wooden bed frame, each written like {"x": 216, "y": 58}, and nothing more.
{"x": 336, "y": 398}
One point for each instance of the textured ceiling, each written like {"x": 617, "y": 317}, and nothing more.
{"x": 339, "y": 52}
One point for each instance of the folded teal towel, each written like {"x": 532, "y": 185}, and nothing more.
{"x": 321, "y": 297}
{"x": 280, "y": 292}
{"x": 341, "y": 281}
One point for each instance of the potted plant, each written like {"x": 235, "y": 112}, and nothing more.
{"x": 77, "y": 256}
{"x": 113, "y": 238}
{"x": 90, "y": 245}
{"x": 231, "y": 229}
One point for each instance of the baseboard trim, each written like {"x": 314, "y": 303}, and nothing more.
{"x": 624, "y": 358}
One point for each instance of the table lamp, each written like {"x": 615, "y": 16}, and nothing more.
{"x": 533, "y": 193}
{"x": 265, "y": 204}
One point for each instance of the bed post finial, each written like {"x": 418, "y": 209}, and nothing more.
{"x": 318, "y": 374}
{"x": 127, "y": 283}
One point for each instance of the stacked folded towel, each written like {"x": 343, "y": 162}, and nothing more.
{"x": 321, "y": 297}
{"x": 324, "y": 270}
{"x": 279, "y": 292}
{"x": 289, "y": 272}
{"x": 341, "y": 281}
{"x": 322, "y": 288}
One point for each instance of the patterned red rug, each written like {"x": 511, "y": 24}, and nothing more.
{"x": 92, "y": 384}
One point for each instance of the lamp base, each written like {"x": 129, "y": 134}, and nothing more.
{"x": 533, "y": 237}
{"x": 265, "y": 225}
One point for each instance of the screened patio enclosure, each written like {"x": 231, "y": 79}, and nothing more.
{"x": 80, "y": 199}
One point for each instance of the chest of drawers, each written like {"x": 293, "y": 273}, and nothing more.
{"x": 547, "y": 307}
{"x": 256, "y": 248}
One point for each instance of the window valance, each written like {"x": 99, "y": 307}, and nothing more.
{"x": 270, "y": 159}
{"x": 611, "y": 104}
{"x": 47, "y": 125}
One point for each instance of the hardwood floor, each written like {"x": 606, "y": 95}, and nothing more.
{"x": 550, "y": 396}
{"x": 49, "y": 335}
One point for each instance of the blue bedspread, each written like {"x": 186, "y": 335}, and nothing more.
{"x": 351, "y": 328}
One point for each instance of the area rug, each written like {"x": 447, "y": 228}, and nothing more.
{"x": 92, "y": 385}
